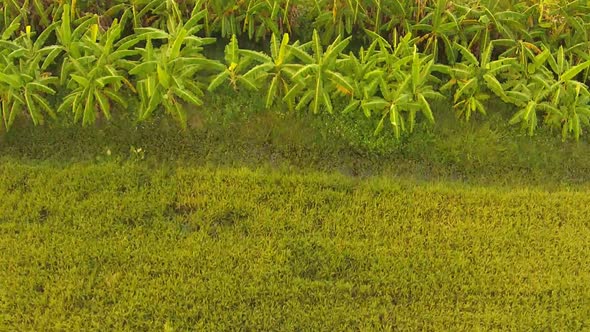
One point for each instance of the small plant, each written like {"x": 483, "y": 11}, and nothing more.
{"x": 166, "y": 75}
{"x": 136, "y": 154}
{"x": 473, "y": 79}
{"x": 96, "y": 70}
{"x": 318, "y": 77}
{"x": 439, "y": 25}
{"x": 404, "y": 93}
{"x": 25, "y": 82}
{"x": 552, "y": 87}
{"x": 366, "y": 70}
{"x": 276, "y": 68}
{"x": 237, "y": 69}
{"x": 339, "y": 19}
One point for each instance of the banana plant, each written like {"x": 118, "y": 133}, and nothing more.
{"x": 562, "y": 22}
{"x": 157, "y": 13}
{"x": 573, "y": 114}
{"x": 482, "y": 23}
{"x": 226, "y": 16}
{"x": 565, "y": 71}
{"x": 238, "y": 69}
{"x": 38, "y": 14}
{"x": 405, "y": 92}
{"x": 392, "y": 17}
{"x": 276, "y": 68}
{"x": 70, "y": 38}
{"x": 530, "y": 98}
{"x": 366, "y": 70}
{"x": 440, "y": 25}
{"x": 568, "y": 94}
{"x": 97, "y": 76}
{"x": 525, "y": 53}
{"x": 552, "y": 88}
{"x": 261, "y": 18}
{"x": 473, "y": 78}
{"x": 339, "y": 19}
{"x": 318, "y": 77}
{"x": 166, "y": 75}
{"x": 24, "y": 83}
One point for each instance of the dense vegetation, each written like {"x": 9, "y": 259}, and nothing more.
{"x": 95, "y": 247}
{"x": 389, "y": 60}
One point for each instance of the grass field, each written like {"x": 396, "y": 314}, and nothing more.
{"x": 125, "y": 246}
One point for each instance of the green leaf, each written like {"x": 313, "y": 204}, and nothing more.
{"x": 327, "y": 102}
{"x": 259, "y": 70}
{"x": 153, "y": 104}
{"x": 32, "y": 108}
{"x": 469, "y": 84}
{"x": 218, "y": 80}
{"x": 66, "y": 104}
{"x": 187, "y": 96}
{"x": 317, "y": 93}
{"x": 163, "y": 76}
{"x": 116, "y": 97}
{"x": 494, "y": 85}
{"x": 305, "y": 100}
{"x": 272, "y": 91}
{"x": 467, "y": 54}
{"x": 45, "y": 105}
{"x": 50, "y": 59}
{"x": 145, "y": 68}
{"x": 89, "y": 114}
{"x": 283, "y": 50}
{"x": 274, "y": 46}
{"x": 574, "y": 71}
{"x": 352, "y": 106}
{"x": 305, "y": 70}
{"x": 335, "y": 49}
{"x": 107, "y": 80}
{"x": 379, "y": 126}
{"x": 104, "y": 104}
{"x": 83, "y": 81}
{"x": 15, "y": 109}
{"x": 150, "y": 33}
{"x": 317, "y": 46}
{"x": 258, "y": 56}
{"x": 11, "y": 79}
{"x": 232, "y": 51}
{"x": 177, "y": 44}
{"x": 299, "y": 53}
{"x": 180, "y": 114}
{"x": 375, "y": 104}
{"x": 42, "y": 38}
{"x": 426, "y": 110}
{"x": 34, "y": 86}
{"x": 121, "y": 54}
{"x": 338, "y": 79}
{"x": 12, "y": 28}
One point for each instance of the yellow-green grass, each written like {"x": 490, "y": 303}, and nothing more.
{"x": 116, "y": 247}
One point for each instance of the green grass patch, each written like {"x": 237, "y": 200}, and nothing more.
{"x": 235, "y": 131}
{"x": 124, "y": 246}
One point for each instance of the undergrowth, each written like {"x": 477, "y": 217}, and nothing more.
{"x": 237, "y": 132}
